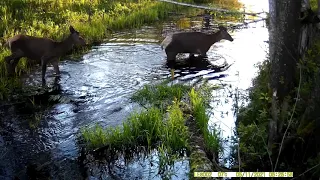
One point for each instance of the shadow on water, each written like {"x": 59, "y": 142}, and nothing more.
{"x": 98, "y": 90}
{"x": 193, "y": 65}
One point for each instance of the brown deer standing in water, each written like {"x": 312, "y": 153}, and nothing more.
{"x": 192, "y": 42}
{"x": 42, "y": 50}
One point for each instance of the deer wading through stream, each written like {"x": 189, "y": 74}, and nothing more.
{"x": 192, "y": 42}
{"x": 42, "y": 50}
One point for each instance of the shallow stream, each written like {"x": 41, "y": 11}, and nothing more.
{"x": 104, "y": 79}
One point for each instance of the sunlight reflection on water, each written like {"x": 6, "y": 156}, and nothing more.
{"x": 248, "y": 48}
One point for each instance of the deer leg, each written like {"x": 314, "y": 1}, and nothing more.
{"x": 9, "y": 58}
{"x": 44, "y": 69}
{"x": 11, "y": 65}
{"x": 191, "y": 55}
{"x": 55, "y": 63}
{"x": 14, "y": 65}
{"x": 203, "y": 53}
{"x": 171, "y": 56}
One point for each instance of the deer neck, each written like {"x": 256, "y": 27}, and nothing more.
{"x": 215, "y": 37}
{"x": 64, "y": 46}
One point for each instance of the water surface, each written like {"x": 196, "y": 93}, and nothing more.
{"x": 103, "y": 81}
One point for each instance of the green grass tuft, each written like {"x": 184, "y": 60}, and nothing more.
{"x": 160, "y": 95}
{"x": 210, "y": 135}
{"x": 140, "y": 129}
{"x": 160, "y": 128}
{"x": 147, "y": 128}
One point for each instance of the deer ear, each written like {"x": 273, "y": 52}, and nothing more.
{"x": 72, "y": 30}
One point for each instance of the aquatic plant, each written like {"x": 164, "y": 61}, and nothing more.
{"x": 210, "y": 134}
{"x": 159, "y": 95}
{"x": 146, "y": 128}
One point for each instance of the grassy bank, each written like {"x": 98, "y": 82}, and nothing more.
{"x": 157, "y": 123}
{"x": 210, "y": 135}
{"x": 158, "y": 127}
{"x": 163, "y": 126}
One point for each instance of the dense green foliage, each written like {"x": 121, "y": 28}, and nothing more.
{"x": 252, "y": 122}
{"x": 314, "y": 4}
{"x": 227, "y": 4}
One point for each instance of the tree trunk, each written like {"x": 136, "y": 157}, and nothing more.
{"x": 284, "y": 54}
{"x": 284, "y": 40}
{"x": 289, "y": 39}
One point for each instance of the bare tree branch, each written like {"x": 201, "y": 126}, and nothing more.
{"x": 210, "y": 8}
